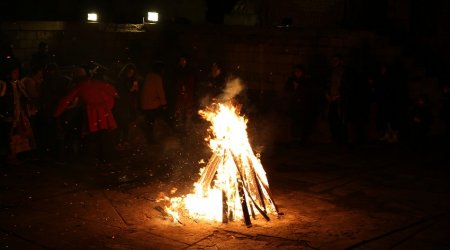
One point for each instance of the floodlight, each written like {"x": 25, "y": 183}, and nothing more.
{"x": 92, "y": 17}
{"x": 152, "y": 16}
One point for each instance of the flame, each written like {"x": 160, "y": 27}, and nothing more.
{"x": 239, "y": 183}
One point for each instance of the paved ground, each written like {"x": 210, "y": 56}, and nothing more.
{"x": 374, "y": 197}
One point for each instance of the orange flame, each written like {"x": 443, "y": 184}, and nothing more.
{"x": 232, "y": 180}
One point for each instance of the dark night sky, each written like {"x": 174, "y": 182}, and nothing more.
{"x": 120, "y": 11}
{"x": 71, "y": 10}
{"x": 41, "y": 10}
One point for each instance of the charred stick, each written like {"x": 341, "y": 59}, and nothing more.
{"x": 257, "y": 183}
{"x": 243, "y": 200}
{"x": 271, "y": 198}
{"x": 266, "y": 187}
{"x": 224, "y": 207}
{"x": 253, "y": 211}
{"x": 165, "y": 214}
{"x": 263, "y": 213}
{"x": 241, "y": 192}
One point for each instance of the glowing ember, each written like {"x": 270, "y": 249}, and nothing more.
{"x": 233, "y": 185}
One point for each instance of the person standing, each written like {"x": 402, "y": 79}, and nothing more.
{"x": 41, "y": 58}
{"x": 185, "y": 84}
{"x": 16, "y": 132}
{"x": 153, "y": 99}
{"x": 71, "y": 123}
{"x": 31, "y": 86}
{"x": 125, "y": 109}
{"x": 389, "y": 105}
{"x": 294, "y": 88}
{"x": 335, "y": 94}
{"x": 54, "y": 87}
{"x": 213, "y": 86}
{"x": 97, "y": 98}
{"x": 305, "y": 99}
{"x": 421, "y": 119}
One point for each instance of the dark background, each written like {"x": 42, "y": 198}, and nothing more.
{"x": 424, "y": 15}
{"x": 116, "y": 11}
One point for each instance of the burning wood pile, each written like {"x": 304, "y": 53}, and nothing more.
{"x": 233, "y": 184}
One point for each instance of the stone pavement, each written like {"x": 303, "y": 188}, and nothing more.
{"x": 375, "y": 197}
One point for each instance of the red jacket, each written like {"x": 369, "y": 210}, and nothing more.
{"x": 97, "y": 96}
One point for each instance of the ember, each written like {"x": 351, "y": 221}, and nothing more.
{"x": 233, "y": 184}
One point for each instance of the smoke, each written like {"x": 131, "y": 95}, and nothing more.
{"x": 232, "y": 89}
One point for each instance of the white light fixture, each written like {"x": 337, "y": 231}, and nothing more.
{"x": 152, "y": 17}
{"x": 92, "y": 17}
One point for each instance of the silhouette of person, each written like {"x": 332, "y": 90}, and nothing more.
{"x": 125, "y": 109}
{"x": 97, "y": 98}
{"x": 153, "y": 98}
{"x": 335, "y": 94}
{"x": 41, "y": 58}
{"x": 185, "y": 84}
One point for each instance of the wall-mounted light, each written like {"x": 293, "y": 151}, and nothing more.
{"x": 152, "y": 17}
{"x": 92, "y": 17}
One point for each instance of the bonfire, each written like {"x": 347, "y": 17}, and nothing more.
{"x": 233, "y": 184}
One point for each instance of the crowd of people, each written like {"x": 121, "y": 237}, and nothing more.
{"x": 89, "y": 112}
{"x": 363, "y": 103}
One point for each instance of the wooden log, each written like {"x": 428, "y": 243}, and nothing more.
{"x": 224, "y": 207}
{"x": 271, "y": 198}
{"x": 210, "y": 171}
{"x": 243, "y": 201}
{"x": 241, "y": 192}
{"x": 269, "y": 193}
{"x": 240, "y": 176}
{"x": 162, "y": 211}
{"x": 258, "y": 185}
{"x": 165, "y": 214}
{"x": 252, "y": 211}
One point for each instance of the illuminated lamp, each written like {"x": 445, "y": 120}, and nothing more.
{"x": 92, "y": 17}
{"x": 152, "y": 17}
